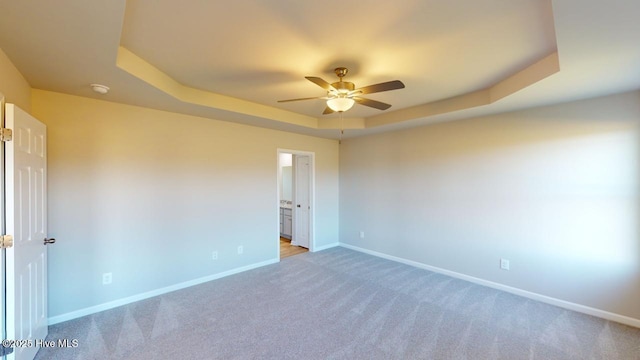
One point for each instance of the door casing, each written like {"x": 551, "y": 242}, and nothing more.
{"x": 312, "y": 192}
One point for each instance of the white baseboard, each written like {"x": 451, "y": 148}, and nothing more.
{"x": 531, "y": 295}
{"x": 325, "y": 247}
{"x": 128, "y": 300}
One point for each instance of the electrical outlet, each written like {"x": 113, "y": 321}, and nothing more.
{"x": 107, "y": 278}
{"x": 504, "y": 264}
{"x": 361, "y": 234}
{"x": 240, "y": 250}
{"x": 214, "y": 255}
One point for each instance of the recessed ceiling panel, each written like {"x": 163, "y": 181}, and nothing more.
{"x": 260, "y": 51}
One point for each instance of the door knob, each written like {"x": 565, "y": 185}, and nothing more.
{"x": 49, "y": 241}
{"x": 298, "y": 205}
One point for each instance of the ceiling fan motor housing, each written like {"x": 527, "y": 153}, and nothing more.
{"x": 343, "y": 86}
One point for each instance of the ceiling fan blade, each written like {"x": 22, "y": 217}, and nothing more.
{"x": 372, "y": 103}
{"x": 327, "y": 111}
{"x": 307, "y": 98}
{"x": 385, "y": 86}
{"x": 323, "y": 84}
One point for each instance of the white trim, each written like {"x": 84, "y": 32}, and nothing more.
{"x": 325, "y": 247}
{"x": 531, "y": 295}
{"x": 312, "y": 197}
{"x": 277, "y": 202}
{"x": 131, "y": 299}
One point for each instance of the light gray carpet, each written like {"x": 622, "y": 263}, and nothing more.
{"x": 341, "y": 304}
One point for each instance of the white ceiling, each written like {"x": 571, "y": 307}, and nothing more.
{"x": 233, "y": 60}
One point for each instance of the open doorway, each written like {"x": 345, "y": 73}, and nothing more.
{"x": 295, "y": 202}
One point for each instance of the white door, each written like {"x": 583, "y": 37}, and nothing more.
{"x": 3, "y": 252}
{"x": 26, "y": 217}
{"x": 301, "y": 216}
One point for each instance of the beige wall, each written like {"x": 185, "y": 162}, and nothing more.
{"x": 554, "y": 189}
{"x": 13, "y": 86}
{"x": 148, "y": 195}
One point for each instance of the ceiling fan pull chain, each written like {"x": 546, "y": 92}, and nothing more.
{"x": 341, "y": 127}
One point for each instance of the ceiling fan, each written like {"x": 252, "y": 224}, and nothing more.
{"x": 342, "y": 95}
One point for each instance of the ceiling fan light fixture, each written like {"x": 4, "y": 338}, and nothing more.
{"x": 340, "y": 104}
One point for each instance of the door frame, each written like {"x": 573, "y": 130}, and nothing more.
{"x": 312, "y": 195}
{"x": 3, "y": 229}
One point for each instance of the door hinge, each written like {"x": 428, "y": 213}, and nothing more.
{"x": 6, "y": 134}
{"x": 6, "y": 241}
